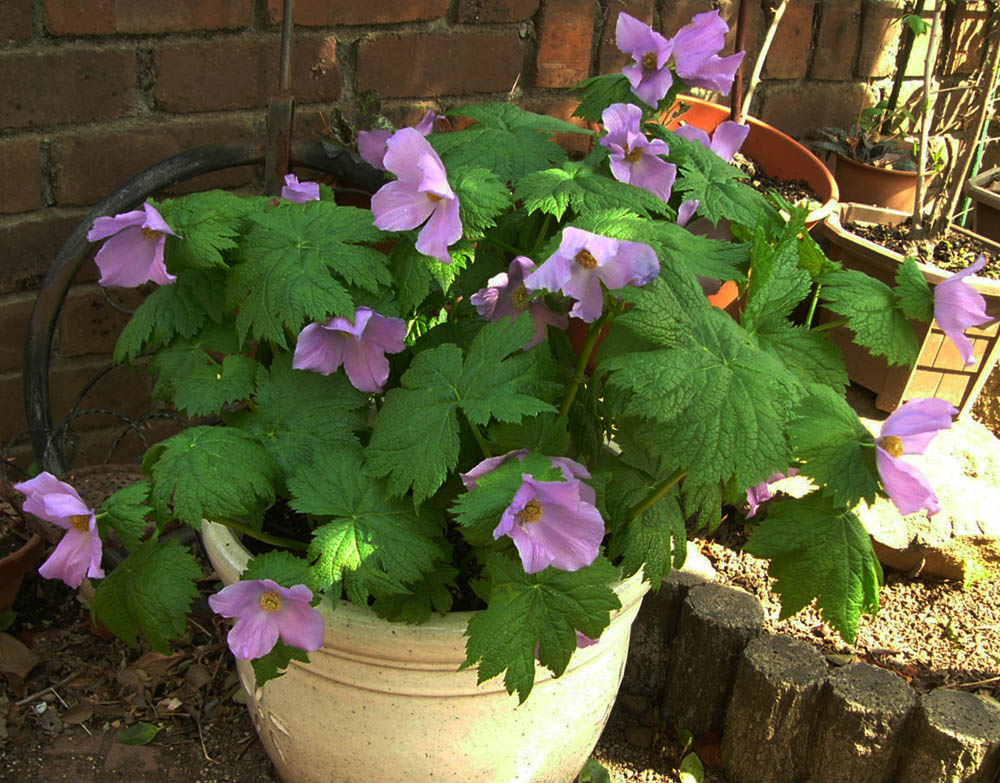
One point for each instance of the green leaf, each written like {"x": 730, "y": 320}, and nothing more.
{"x": 599, "y": 92}
{"x": 208, "y": 223}
{"x": 280, "y": 566}
{"x": 582, "y": 190}
{"x": 205, "y": 472}
{"x": 818, "y": 551}
{"x": 126, "y": 511}
{"x": 150, "y": 592}
{"x": 273, "y": 665}
{"x": 140, "y": 733}
{"x": 481, "y": 196}
{"x": 189, "y": 375}
{"x": 838, "y": 450}
{"x": 777, "y": 283}
{"x": 180, "y": 308}
{"x": 430, "y": 594}
{"x": 593, "y": 772}
{"x": 410, "y": 277}
{"x": 299, "y": 263}
{"x": 415, "y": 439}
{"x": 914, "y": 294}
{"x": 808, "y": 353}
{"x": 299, "y": 412}
{"x": 546, "y": 433}
{"x": 691, "y": 769}
{"x": 873, "y": 314}
{"x": 371, "y": 543}
{"x": 916, "y": 23}
{"x": 507, "y": 140}
{"x": 703, "y": 502}
{"x": 537, "y": 611}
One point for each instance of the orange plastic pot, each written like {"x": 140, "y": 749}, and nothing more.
{"x": 860, "y": 183}
{"x": 779, "y": 155}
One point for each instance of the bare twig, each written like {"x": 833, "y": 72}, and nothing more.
{"x": 38, "y": 694}
{"x": 975, "y": 684}
{"x": 201, "y": 738}
{"x": 758, "y": 66}
{"x": 925, "y": 123}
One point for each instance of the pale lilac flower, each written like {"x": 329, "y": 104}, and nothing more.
{"x": 264, "y": 610}
{"x": 569, "y": 468}
{"x": 372, "y": 145}
{"x": 553, "y": 523}
{"x": 908, "y": 431}
{"x": 421, "y": 193}
{"x": 957, "y": 306}
{"x": 78, "y": 553}
{"x": 649, "y": 76}
{"x": 505, "y": 295}
{"x": 759, "y": 494}
{"x": 299, "y": 192}
{"x": 696, "y": 47}
{"x": 584, "y": 261}
{"x": 635, "y": 159}
{"x": 725, "y": 141}
{"x": 686, "y": 211}
{"x": 360, "y": 346}
{"x": 134, "y": 253}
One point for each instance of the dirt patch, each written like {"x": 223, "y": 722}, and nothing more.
{"x": 795, "y": 191}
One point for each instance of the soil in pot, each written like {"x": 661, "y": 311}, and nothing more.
{"x": 795, "y": 191}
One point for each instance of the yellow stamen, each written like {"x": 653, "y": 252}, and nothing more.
{"x": 530, "y": 514}
{"x": 435, "y": 197}
{"x": 519, "y": 298}
{"x": 893, "y": 444}
{"x": 633, "y": 155}
{"x": 649, "y": 61}
{"x": 151, "y": 233}
{"x": 586, "y": 259}
{"x": 270, "y": 601}
{"x": 80, "y": 522}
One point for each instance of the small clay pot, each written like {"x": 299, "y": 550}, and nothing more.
{"x": 15, "y": 566}
{"x": 887, "y": 188}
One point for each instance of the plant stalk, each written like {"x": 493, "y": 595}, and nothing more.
{"x": 830, "y": 325}
{"x": 239, "y": 527}
{"x": 925, "y": 123}
{"x": 758, "y": 66}
{"x": 581, "y": 363}
{"x": 658, "y": 492}
{"x": 812, "y": 305}
{"x": 479, "y": 437}
{"x": 901, "y": 63}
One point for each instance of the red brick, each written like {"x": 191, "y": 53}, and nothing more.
{"x": 21, "y": 184}
{"x": 610, "y": 57}
{"x": 432, "y": 64}
{"x": 15, "y": 21}
{"x": 29, "y": 246}
{"x": 796, "y": 111}
{"x": 324, "y": 13}
{"x": 880, "y": 34}
{"x": 15, "y": 312}
{"x": 837, "y": 42}
{"x": 564, "y": 44}
{"x": 576, "y": 144}
{"x": 105, "y": 17}
{"x": 87, "y": 166}
{"x": 75, "y": 84}
{"x": 789, "y": 51}
{"x": 88, "y": 324}
{"x": 199, "y": 76}
{"x": 495, "y": 11}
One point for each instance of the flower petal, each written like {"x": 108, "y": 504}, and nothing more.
{"x": 906, "y": 486}
{"x": 917, "y": 422}
{"x": 957, "y": 306}
{"x": 372, "y": 147}
{"x": 255, "y": 633}
{"x": 237, "y": 598}
{"x": 728, "y": 138}
{"x": 365, "y": 365}
{"x": 694, "y": 133}
{"x": 299, "y": 192}
{"x": 442, "y": 230}
{"x": 71, "y": 559}
{"x": 105, "y": 227}
{"x": 319, "y": 350}
{"x": 301, "y": 625}
{"x": 397, "y": 206}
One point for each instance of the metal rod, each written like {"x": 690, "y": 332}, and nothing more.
{"x": 742, "y": 23}
{"x": 287, "y": 23}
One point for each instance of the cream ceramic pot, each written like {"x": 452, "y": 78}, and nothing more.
{"x": 382, "y": 702}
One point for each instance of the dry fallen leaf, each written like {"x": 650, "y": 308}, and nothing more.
{"x": 81, "y": 713}
{"x": 15, "y": 657}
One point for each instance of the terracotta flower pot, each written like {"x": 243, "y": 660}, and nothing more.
{"x": 15, "y": 566}
{"x": 939, "y": 371}
{"x": 986, "y": 204}
{"x": 382, "y": 701}
{"x": 779, "y": 155}
{"x": 864, "y": 184}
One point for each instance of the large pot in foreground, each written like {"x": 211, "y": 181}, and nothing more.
{"x": 778, "y": 154}
{"x": 939, "y": 371}
{"x": 385, "y": 702}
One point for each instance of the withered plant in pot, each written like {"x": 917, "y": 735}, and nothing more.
{"x": 423, "y": 508}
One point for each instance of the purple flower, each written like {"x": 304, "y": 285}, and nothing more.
{"x": 505, "y": 294}
{"x": 264, "y": 610}
{"x": 634, "y": 158}
{"x": 908, "y": 431}
{"x": 584, "y": 261}
{"x": 79, "y": 551}
{"x": 957, "y": 306}
{"x": 372, "y": 145}
{"x": 686, "y": 211}
{"x": 553, "y": 523}
{"x": 299, "y": 192}
{"x": 759, "y": 494}
{"x": 134, "y": 253}
{"x": 569, "y": 468}
{"x": 695, "y": 49}
{"x": 649, "y": 76}
{"x": 360, "y": 346}
{"x": 726, "y": 139}
{"x": 421, "y": 193}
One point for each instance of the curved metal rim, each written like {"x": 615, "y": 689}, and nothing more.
{"x": 172, "y": 171}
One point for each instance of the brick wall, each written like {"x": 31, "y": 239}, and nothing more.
{"x": 93, "y": 91}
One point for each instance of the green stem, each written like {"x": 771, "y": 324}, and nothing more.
{"x": 658, "y": 492}
{"x": 581, "y": 363}
{"x": 479, "y": 438}
{"x": 812, "y": 305}
{"x": 503, "y": 245}
{"x": 542, "y": 233}
{"x": 830, "y": 325}
{"x": 239, "y": 527}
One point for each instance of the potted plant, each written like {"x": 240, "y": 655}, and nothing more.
{"x": 424, "y": 509}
